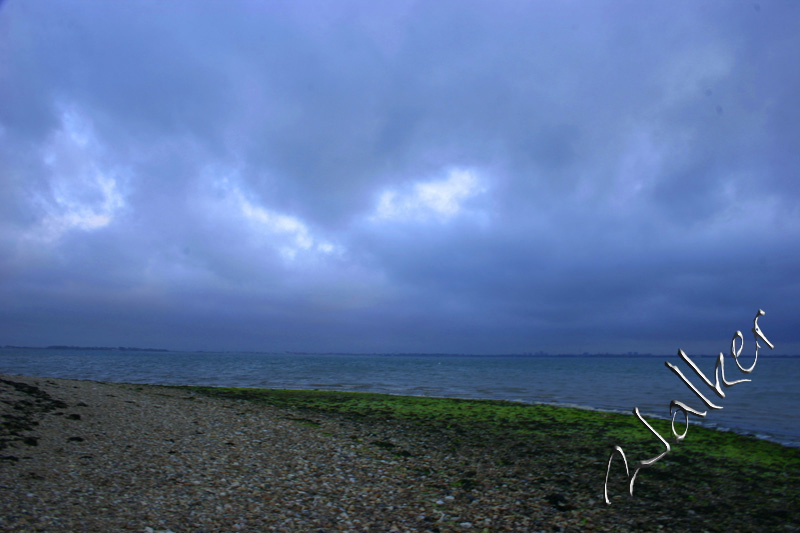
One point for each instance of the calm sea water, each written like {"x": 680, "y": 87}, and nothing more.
{"x": 768, "y": 406}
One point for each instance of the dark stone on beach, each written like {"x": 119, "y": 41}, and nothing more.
{"x": 31, "y": 402}
{"x": 559, "y": 501}
{"x": 15, "y": 423}
{"x": 466, "y": 483}
{"x": 75, "y": 439}
{"x": 74, "y": 416}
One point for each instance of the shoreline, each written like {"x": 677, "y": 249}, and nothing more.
{"x": 776, "y": 438}
{"x": 117, "y": 456}
{"x": 751, "y": 409}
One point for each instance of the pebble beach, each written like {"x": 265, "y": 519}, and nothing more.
{"x": 110, "y": 457}
{"x": 90, "y": 456}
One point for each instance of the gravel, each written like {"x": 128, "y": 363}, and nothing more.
{"x": 102, "y": 457}
{"x": 89, "y": 456}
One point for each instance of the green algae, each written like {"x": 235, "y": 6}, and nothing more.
{"x": 524, "y": 418}
{"x": 589, "y": 429}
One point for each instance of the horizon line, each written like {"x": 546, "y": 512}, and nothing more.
{"x": 539, "y": 353}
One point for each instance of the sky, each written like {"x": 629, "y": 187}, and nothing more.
{"x": 480, "y": 177}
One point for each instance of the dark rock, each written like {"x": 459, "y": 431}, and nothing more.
{"x": 559, "y": 501}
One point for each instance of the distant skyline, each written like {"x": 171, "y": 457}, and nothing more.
{"x": 408, "y": 177}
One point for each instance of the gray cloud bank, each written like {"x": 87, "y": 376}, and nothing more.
{"x": 475, "y": 177}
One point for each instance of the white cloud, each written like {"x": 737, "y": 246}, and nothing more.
{"x": 440, "y": 199}
{"x": 83, "y": 193}
{"x": 288, "y": 234}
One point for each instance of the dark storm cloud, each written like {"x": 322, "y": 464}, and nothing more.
{"x": 410, "y": 176}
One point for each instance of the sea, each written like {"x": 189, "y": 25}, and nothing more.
{"x": 767, "y": 406}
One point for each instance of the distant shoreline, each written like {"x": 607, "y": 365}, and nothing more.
{"x": 92, "y": 348}
{"x": 386, "y": 354}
